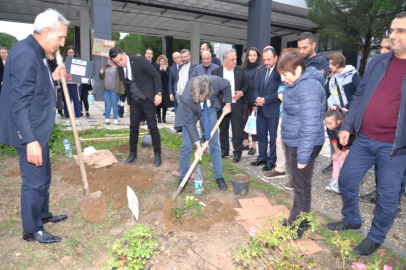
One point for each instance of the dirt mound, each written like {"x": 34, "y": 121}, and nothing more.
{"x": 112, "y": 181}
{"x": 214, "y": 212}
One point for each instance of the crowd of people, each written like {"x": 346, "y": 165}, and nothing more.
{"x": 296, "y": 96}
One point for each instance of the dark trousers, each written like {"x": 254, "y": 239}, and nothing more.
{"x": 266, "y": 126}
{"x": 237, "y": 126}
{"x": 34, "y": 191}
{"x": 247, "y": 113}
{"x": 83, "y": 97}
{"x": 147, "y": 107}
{"x": 364, "y": 153}
{"x": 302, "y": 182}
{"x": 121, "y": 105}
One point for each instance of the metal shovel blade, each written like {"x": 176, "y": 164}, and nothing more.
{"x": 93, "y": 208}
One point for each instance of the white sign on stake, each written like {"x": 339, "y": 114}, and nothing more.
{"x": 132, "y": 202}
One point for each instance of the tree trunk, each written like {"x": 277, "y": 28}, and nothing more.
{"x": 364, "y": 61}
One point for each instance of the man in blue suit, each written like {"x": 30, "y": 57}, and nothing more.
{"x": 200, "y": 100}
{"x": 267, "y": 102}
{"x": 27, "y": 116}
{"x": 173, "y": 77}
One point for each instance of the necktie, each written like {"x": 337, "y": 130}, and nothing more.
{"x": 126, "y": 73}
{"x": 206, "y": 121}
{"x": 49, "y": 73}
{"x": 268, "y": 72}
{"x": 179, "y": 67}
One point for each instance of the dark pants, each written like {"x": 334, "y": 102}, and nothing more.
{"x": 364, "y": 153}
{"x": 302, "y": 182}
{"x": 237, "y": 126}
{"x": 267, "y": 126}
{"x": 121, "y": 105}
{"x": 147, "y": 107}
{"x": 73, "y": 95}
{"x": 83, "y": 97}
{"x": 247, "y": 113}
{"x": 34, "y": 191}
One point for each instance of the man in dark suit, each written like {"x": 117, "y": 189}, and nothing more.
{"x": 268, "y": 104}
{"x": 199, "y": 100}
{"x": 173, "y": 77}
{"x": 143, "y": 88}
{"x": 239, "y": 85}
{"x": 149, "y": 54}
{"x": 3, "y": 58}
{"x": 27, "y": 116}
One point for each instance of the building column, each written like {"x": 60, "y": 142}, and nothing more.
{"x": 76, "y": 41}
{"x": 167, "y": 48}
{"x": 101, "y": 28}
{"x": 239, "y": 50}
{"x": 84, "y": 34}
{"x": 259, "y": 23}
{"x": 195, "y": 43}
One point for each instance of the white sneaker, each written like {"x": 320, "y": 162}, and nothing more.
{"x": 330, "y": 184}
{"x": 77, "y": 122}
{"x": 335, "y": 188}
{"x": 67, "y": 122}
{"x": 107, "y": 121}
{"x": 115, "y": 122}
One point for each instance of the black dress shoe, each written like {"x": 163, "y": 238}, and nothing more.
{"x": 121, "y": 116}
{"x": 131, "y": 157}
{"x": 268, "y": 167}
{"x": 179, "y": 130}
{"x": 244, "y": 148}
{"x": 41, "y": 236}
{"x": 258, "y": 162}
{"x": 366, "y": 248}
{"x": 54, "y": 219}
{"x": 223, "y": 155}
{"x": 221, "y": 183}
{"x": 157, "y": 159}
{"x": 87, "y": 114}
{"x": 236, "y": 158}
{"x": 369, "y": 197}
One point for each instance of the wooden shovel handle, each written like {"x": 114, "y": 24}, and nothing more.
{"x": 75, "y": 131}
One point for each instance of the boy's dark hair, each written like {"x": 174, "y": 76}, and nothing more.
{"x": 334, "y": 111}
{"x": 114, "y": 52}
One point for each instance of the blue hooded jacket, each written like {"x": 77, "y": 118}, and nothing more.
{"x": 304, "y": 104}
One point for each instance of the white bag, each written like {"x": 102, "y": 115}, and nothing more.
{"x": 251, "y": 126}
{"x": 90, "y": 99}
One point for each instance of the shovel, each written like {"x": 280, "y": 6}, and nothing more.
{"x": 92, "y": 205}
{"x": 190, "y": 171}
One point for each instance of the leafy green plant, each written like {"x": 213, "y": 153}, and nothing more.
{"x": 191, "y": 203}
{"x": 274, "y": 246}
{"x": 343, "y": 246}
{"x": 134, "y": 250}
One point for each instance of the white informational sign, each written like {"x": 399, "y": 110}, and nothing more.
{"x": 78, "y": 70}
{"x": 132, "y": 202}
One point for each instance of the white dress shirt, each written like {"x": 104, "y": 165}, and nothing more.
{"x": 229, "y": 75}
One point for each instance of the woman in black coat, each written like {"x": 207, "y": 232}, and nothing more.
{"x": 166, "y": 102}
{"x": 251, "y": 63}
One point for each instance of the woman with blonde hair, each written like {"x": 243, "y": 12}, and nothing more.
{"x": 166, "y": 102}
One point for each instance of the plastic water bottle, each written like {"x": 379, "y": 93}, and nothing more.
{"x": 198, "y": 180}
{"x": 68, "y": 149}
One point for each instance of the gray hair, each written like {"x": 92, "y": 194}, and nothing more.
{"x": 225, "y": 55}
{"x": 50, "y": 19}
{"x": 206, "y": 52}
{"x": 185, "y": 51}
{"x": 201, "y": 85}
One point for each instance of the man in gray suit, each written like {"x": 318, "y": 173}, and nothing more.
{"x": 199, "y": 100}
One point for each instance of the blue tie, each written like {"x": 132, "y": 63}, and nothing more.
{"x": 206, "y": 121}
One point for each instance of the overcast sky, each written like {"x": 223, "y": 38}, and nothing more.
{"x": 22, "y": 30}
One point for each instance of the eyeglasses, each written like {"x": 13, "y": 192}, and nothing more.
{"x": 396, "y": 31}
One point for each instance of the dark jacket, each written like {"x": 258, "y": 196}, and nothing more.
{"x": 173, "y": 78}
{"x": 1, "y": 72}
{"x": 374, "y": 74}
{"x": 191, "y": 68}
{"x": 320, "y": 62}
{"x": 240, "y": 83}
{"x": 250, "y": 74}
{"x": 145, "y": 76}
{"x": 166, "y": 101}
{"x": 304, "y": 105}
{"x": 269, "y": 92}
{"x": 333, "y": 136}
{"x": 27, "y": 103}
{"x": 201, "y": 70}
{"x": 119, "y": 89}
{"x": 189, "y": 112}
{"x": 215, "y": 60}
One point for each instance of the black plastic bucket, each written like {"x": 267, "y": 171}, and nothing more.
{"x": 241, "y": 184}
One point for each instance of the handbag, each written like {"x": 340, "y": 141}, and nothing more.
{"x": 90, "y": 99}
{"x": 251, "y": 126}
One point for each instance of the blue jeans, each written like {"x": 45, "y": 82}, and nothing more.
{"x": 215, "y": 150}
{"x": 266, "y": 126}
{"x": 74, "y": 97}
{"x": 364, "y": 153}
{"x": 111, "y": 99}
